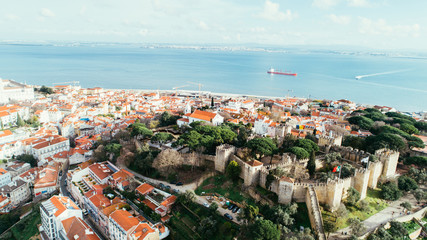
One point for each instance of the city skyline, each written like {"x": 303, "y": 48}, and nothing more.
{"x": 390, "y": 25}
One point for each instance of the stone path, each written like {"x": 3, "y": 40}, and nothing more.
{"x": 316, "y": 212}
{"x": 394, "y": 210}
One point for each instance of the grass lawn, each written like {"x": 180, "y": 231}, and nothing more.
{"x": 375, "y": 205}
{"x": 411, "y": 226}
{"x": 222, "y": 185}
{"x": 27, "y": 227}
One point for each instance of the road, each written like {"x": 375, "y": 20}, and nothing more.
{"x": 187, "y": 187}
{"x": 62, "y": 182}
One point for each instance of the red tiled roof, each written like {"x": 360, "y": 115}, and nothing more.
{"x": 144, "y": 188}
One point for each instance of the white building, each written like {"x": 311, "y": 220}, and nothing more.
{"x": 49, "y": 146}
{"x": 5, "y": 177}
{"x": 210, "y": 117}
{"x": 17, "y": 192}
{"x": 11, "y": 90}
{"x": 53, "y": 212}
{"x": 122, "y": 225}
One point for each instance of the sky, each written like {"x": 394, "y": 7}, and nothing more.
{"x": 379, "y": 24}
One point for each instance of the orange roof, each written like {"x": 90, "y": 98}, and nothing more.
{"x": 254, "y": 163}
{"x": 168, "y": 201}
{"x": 124, "y": 219}
{"x": 149, "y": 204}
{"x": 62, "y": 204}
{"x": 142, "y": 230}
{"x": 122, "y": 174}
{"x": 2, "y": 171}
{"x": 287, "y": 179}
{"x": 76, "y": 228}
{"x": 202, "y": 115}
{"x": 100, "y": 201}
{"x": 108, "y": 210}
{"x": 100, "y": 170}
{"x": 144, "y": 188}
{"x": 5, "y": 133}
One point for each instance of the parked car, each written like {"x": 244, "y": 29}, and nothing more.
{"x": 228, "y": 216}
{"x": 176, "y": 190}
{"x": 179, "y": 183}
{"x": 238, "y": 211}
{"x": 235, "y": 209}
{"x": 161, "y": 185}
{"x": 168, "y": 187}
{"x": 206, "y": 204}
{"x": 231, "y": 206}
{"x": 172, "y": 182}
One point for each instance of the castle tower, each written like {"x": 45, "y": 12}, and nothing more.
{"x": 223, "y": 154}
{"x": 286, "y": 188}
{"x": 361, "y": 181}
{"x": 389, "y": 159}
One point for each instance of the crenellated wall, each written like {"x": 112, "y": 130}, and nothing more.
{"x": 223, "y": 153}
{"x": 389, "y": 159}
{"x": 375, "y": 170}
{"x": 361, "y": 181}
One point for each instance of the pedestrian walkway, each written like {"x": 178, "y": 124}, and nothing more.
{"x": 394, "y": 210}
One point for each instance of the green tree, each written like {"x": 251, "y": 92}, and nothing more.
{"x": 409, "y": 128}
{"x": 261, "y": 146}
{"x": 362, "y": 122}
{"x": 357, "y": 227}
{"x": 162, "y": 138}
{"x": 354, "y": 142}
{"x": 311, "y": 165}
{"x": 300, "y": 153}
{"x": 421, "y": 126}
{"x": 364, "y": 205}
{"x": 406, "y": 205}
{"x": 46, "y": 90}
{"x": 416, "y": 160}
{"x": 341, "y": 212}
{"x": 250, "y": 212}
{"x": 384, "y": 140}
{"x": 406, "y": 183}
{"x": 352, "y": 196}
{"x": 420, "y": 195}
{"x": 191, "y": 139}
{"x": 19, "y": 121}
{"x": 28, "y": 158}
{"x": 264, "y": 230}
{"x": 207, "y": 227}
{"x": 113, "y": 148}
{"x": 166, "y": 119}
{"x": 233, "y": 170}
{"x": 347, "y": 170}
{"x": 140, "y": 131}
{"x": 186, "y": 197}
{"x": 307, "y": 144}
{"x": 329, "y": 226}
{"x": 212, "y": 102}
{"x": 390, "y": 191}
{"x": 213, "y": 207}
{"x": 397, "y": 230}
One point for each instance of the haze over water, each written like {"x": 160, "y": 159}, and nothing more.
{"x": 320, "y": 75}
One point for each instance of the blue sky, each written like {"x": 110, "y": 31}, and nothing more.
{"x": 379, "y": 24}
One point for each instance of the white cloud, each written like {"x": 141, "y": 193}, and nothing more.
{"x": 324, "y": 4}
{"x": 271, "y": 12}
{"x": 358, "y": 3}
{"x": 344, "y": 20}
{"x": 381, "y": 27}
{"x": 47, "y": 13}
{"x": 143, "y": 32}
{"x": 11, "y": 17}
{"x": 83, "y": 10}
{"x": 203, "y": 25}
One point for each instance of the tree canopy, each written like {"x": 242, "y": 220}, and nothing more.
{"x": 264, "y": 230}
{"x": 301, "y": 153}
{"x": 233, "y": 170}
{"x": 28, "y": 158}
{"x": 406, "y": 183}
{"x": 307, "y": 144}
{"x": 162, "y": 137}
{"x": 262, "y": 146}
{"x": 390, "y": 191}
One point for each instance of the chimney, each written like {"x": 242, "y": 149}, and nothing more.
{"x": 76, "y": 237}
{"x": 88, "y": 231}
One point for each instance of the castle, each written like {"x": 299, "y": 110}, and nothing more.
{"x": 330, "y": 193}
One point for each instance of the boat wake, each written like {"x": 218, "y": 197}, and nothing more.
{"x": 382, "y": 73}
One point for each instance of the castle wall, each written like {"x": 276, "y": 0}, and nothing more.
{"x": 299, "y": 191}
{"x": 334, "y": 191}
{"x": 375, "y": 170}
{"x": 361, "y": 181}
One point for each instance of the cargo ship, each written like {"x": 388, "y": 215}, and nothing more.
{"x": 273, "y": 71}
